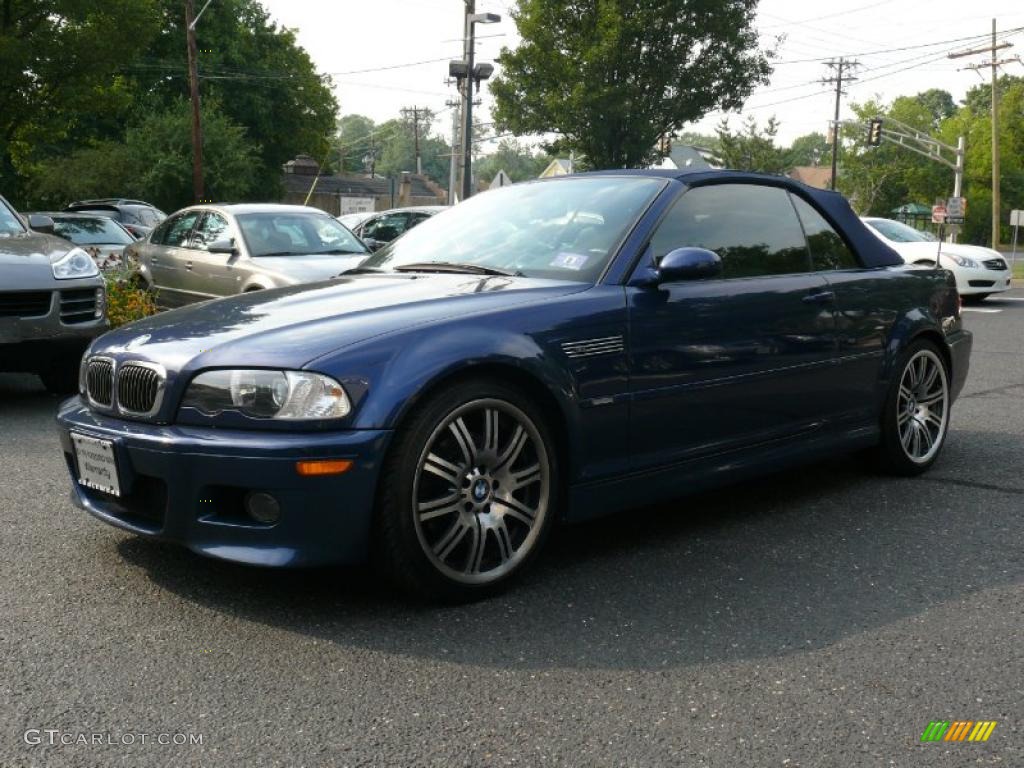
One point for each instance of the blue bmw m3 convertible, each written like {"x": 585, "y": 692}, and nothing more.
{"x": 540, "y": 353}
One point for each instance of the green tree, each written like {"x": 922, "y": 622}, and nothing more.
{"x": 77, "y": 72}
{"x": 751, "y": 148}
{"x": 610, "y": 77}
{"x": 154, "y": 161}
{"x": 809, "y": 149}
{"x": 56, "y": 59}
{"x": 974, "y": 121}
{"x": 880, "y": 179}
{"x": 513, "y": 157}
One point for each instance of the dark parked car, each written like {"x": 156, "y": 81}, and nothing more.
{"x": 51, "y": 300}
{"x": 379, "y": 229}
{"x": 100, "y": 236}
{"x": 137, "y": 216}
{"x": 544, "y": 352}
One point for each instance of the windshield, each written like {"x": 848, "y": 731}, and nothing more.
{"x": 898, "y": 232}
{"x": 10, "y": 224}
{"x": 566, "y": 229}
{"x": 97, "y": 231}
{"x": 296, "y": 234}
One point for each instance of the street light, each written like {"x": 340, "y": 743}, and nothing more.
{"x": 470, "y": 74}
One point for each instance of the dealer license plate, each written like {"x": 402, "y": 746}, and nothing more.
{"x": 97, "y": 467}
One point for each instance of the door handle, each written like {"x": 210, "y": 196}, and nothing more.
{"x": 821, "y": 297}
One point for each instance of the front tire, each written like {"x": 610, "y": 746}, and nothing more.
{"x": 467, "y": 493}
{"x": 61, "y": 378}
{"x": 975, "y": 298}
{"x": 915, "y": 418}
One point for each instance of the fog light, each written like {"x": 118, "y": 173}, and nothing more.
{"x": 262, "y": 507}
{"x": 101, "y": 302}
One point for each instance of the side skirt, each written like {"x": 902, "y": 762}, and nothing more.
{"x": 590, "y": 500}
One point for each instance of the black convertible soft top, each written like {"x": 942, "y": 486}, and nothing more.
{"x": 872, "y": 251}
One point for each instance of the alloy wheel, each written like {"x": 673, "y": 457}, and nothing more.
{"x": 922, "y": 409}
{"x": 481, "y": 492}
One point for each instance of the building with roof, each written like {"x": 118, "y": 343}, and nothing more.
{"x": 339, "y": 194}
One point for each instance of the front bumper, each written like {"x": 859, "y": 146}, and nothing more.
{"x": 37, "y": 343}
{"x": 973, "y": 281}
{"x": 187, "y": 485}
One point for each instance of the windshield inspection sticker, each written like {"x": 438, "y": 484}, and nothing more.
{"x": 574, "y": 261}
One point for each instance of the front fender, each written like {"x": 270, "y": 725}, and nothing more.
{"x": 399, "y": 371}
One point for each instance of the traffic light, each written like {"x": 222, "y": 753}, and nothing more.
{"x": 875, "y": 132}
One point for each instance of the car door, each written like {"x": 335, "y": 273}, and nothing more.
{"x": 867, "y": 302}
{"x": 739, "y": 359}
{"x": 167, "y": 258}
{"x": 211, "y": 274}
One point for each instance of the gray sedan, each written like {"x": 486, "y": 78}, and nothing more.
{"x": 204, "y": 252}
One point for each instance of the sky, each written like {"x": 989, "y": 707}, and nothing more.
{"x": 384, "y": 55}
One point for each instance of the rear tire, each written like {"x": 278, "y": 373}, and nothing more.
{"x": 467, "y": 493}
{"x": 915, "y": 417}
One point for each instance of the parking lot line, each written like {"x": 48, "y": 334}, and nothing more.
{"x": 979, "y": 309}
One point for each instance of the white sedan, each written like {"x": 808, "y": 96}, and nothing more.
{"x": 979, "y": 271}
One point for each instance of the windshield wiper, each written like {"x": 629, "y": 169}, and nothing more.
{"x": 364, "y": 271}
{"x": 337, "y": 251}
{"x": 454, "y": 267}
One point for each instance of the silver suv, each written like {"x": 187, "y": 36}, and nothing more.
{"x": 204, "y": 252}
{"x": 51, "y": 301}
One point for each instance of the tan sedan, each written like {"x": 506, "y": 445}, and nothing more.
{"x": 204, "y": 252}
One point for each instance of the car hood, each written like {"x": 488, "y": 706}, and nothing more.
{"x": 911, "y": 252}
{"x": 25, "y": 260}
{"x": 308, "y": 269}
{"x": 289, "y": 327}
{"x": 32, "y": 249}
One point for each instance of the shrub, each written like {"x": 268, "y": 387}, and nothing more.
{"x": 127, "y": 299}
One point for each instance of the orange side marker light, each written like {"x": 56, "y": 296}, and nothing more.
{"x": 317, "y": 467}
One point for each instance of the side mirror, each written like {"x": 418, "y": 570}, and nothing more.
{"x": 689, "y": 264}
{"x": 41, "y": 223}
{"x": 373, "y": 245}
{"x": 224, "y": 245}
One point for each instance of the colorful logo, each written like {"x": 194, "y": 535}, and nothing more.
{"x": 958, "y": 730}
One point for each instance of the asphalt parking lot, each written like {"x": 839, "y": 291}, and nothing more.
{"x": 819, "y": 618}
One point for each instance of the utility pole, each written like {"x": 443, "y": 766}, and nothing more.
{"x": 841, "y": 68}
{"x": 453, "y": 169}
{"x": 468, "y": 52}
{"x": 994, "y": 63}
{"x": 416, "y": 111}
{"x": 193, "y": 85}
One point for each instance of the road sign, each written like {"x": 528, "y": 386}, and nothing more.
{"x": 1017, "y": 218}
{"x": 938, "y": 214}
{"x": 956, "y": 209}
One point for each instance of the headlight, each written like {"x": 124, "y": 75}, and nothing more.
{"x": 74, "y": 263}
{"x": 963, "y": 261}
{"x": 288, "y": 395}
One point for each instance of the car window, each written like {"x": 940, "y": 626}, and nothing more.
{"x": 828, "y": 250}
{"x": 91, "y": 231}
{"x": 295, "y": 234}
{"x": 213, "y": 227}
{"x": 562, "y": 229}
{"x": 10, "y": 224}
{"x": 180, "y": 227}
{"x": 898, "y": 232}
{"x": 386, "y": 228}
{"x": 754, "y": 229}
